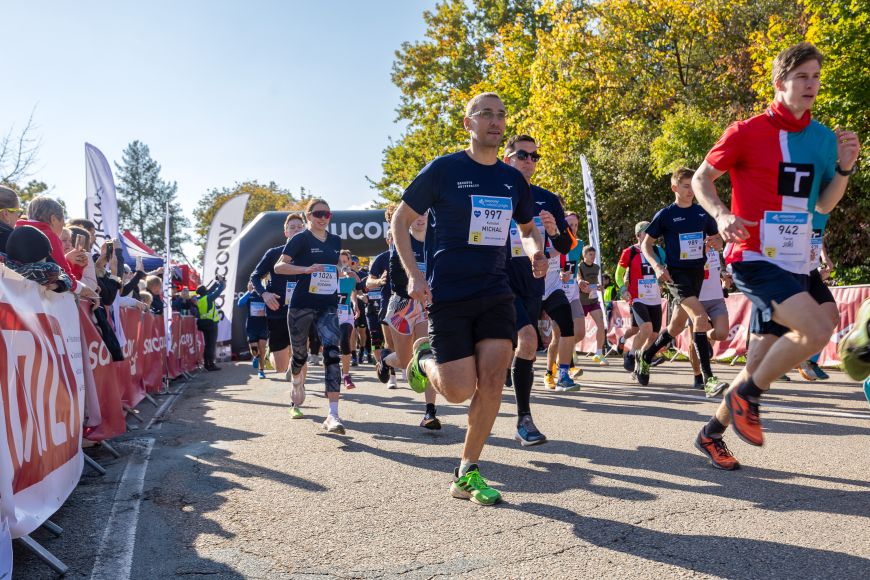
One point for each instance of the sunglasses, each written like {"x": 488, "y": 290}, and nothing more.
{"x": 321, "y": 214}
{"x": 523, "y": 155}
{"x": 13, "y": 210}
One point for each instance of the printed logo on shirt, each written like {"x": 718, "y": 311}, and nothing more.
{"x": 795, "y": 179}
{"x": 509, "y": 186}
{"x": 316, "y": 251}
{"x": 466, "y": 184}
{"x": 679, "y": 219}
{"x": 541, "y": 202}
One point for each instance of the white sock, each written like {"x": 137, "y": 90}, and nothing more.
{"x": 598, "y": 352}
{"x": 333, "y": 408}
{"x": 463, "y": 467}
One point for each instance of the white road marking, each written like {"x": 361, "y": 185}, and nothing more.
{"x": 777, "y": 406}
{"x": 115, "y": 554}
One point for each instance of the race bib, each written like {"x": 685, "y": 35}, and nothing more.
{"x": 375, "y": 294}
{"x": 288, "y": 293}
{"x": 490, "y": 220}
{"x": 785, "y": 235}
{"x": 554, "y": 263}
{"x": 324, "y": 283}
{"x": 816, "y": 249}
{"x": 345, "y": 315}
{"x": 572, "y": 291}
{"x": 648, "y": 289}
{"x": 692, "y": 246}
{"x": 516, "y": 241}
{"x": 258, "y": 309}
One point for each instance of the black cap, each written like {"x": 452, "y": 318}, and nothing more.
{"x": 26, "y": 244}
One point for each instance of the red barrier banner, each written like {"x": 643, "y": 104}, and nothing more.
{"x": 104, "y": 373}
{"x": 41, "y": 402}
{"x": 173, "y": 359}
{"x": 187, "y": 343}
{"x": 131, "y": 321}
{"x": 619, "y": 323}
{"x": 153, "y": 352}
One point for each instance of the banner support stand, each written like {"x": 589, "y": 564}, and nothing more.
{"x": 151, "y": 400}
{"x": 110, "y": 449}
{"x": 131, "y": 411}
{"x": 53, "y": 528}
{"x": 94, "y": 465}
{"x": 40, "y": 552}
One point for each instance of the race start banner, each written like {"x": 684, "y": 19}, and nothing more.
{"x": 221, "y": 254}
{"x": 41, "y": 404}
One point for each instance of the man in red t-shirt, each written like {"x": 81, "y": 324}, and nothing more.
{"x": 783, "y": 167}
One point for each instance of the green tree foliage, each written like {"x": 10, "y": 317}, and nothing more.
{"x": 142, "y": 199}
{"x": 262, "y": 198}
{"x": 639, "y": 87}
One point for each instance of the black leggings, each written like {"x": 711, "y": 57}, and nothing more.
{"x": 314, "y": 343}
{"x": 344, "y": 342}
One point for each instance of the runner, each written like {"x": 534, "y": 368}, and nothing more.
{"x": 590, "y": 272}
{"x": 312, "y": 256}
{"x": 256, "y": 328}
{"x": 380, "y": 290}
{"x": 407, "y": 320}
{"x": 782, "y": 165}
{"x": 521, "y": 152}
{"x": 347, "y": 285}
{"x": 684, "y": 227}
{"x": 276, "y": 294}
{"x": 712, "y": 300}
{"x": 641, "y": 290}
{"x": 472, "y": 197}
{"x": 570, "y": 287}
{"x": 363, "y": 342}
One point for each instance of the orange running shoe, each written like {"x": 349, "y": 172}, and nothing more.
{"x": 717, "y": 451}
{"x": 744, "y": 418}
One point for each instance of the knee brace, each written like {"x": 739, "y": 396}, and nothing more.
{"x": 331, "y": 355}
{"x": 299, "y": 360}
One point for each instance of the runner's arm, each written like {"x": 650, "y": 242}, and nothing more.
{"x": 731, "y": 227}
{"x": 403, "y": 217}
{"x": 847, "y": 155}
{"x": 286, "y": 267}
{"x": 244, "y": 298}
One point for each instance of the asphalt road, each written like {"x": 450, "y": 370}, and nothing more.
{"x": 230, "y": 487}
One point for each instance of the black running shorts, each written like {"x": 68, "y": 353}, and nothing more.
{"x": 279, "y": 334}
{"x": 641, "y": 313}
{"x": 456, "y": 327}
{"x": 686, "y": 283}
{"x": 558, "y": 309}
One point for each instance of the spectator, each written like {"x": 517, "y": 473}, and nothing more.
{"x": 27, "y": 252}
{"x": 10, "y": 211}
{"x": 184, "y": 304}
{"x": 208, "y": 319}
{"x": 46, "y": 215}
{"x": 153, "y": 285}
{"x": 146, "y": 298}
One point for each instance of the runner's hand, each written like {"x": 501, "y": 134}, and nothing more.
{"x": 89, "y": 294}
{"x": 549, "y": 222}
{"x": 662, "y": 273}
{"x": 418, "y": 289}
{"x": 847, "y": 148}
{"x": 271, "y": 300}
{"x": 315, "y": 268}
{"x": 539, "y": 265}
{"x": 733, "y": 228}
{"x": 583, "y": 285}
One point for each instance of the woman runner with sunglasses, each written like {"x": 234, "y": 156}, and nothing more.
{"x": 313, "y": 256}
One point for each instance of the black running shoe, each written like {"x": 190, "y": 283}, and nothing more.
{"x": 642, "y": 370}
{"x": 430, "y": 421}
{"x": 382, "y": 368}
{"x": 628, "y": 361}
{"x": 657, "y": 361}
{"x": 508, "y": 381}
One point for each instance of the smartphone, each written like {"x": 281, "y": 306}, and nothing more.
{"x": 76, "y": 238}
{"x": 110, "y": 248}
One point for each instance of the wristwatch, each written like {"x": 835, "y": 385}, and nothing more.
{"x": 845, "y": 173}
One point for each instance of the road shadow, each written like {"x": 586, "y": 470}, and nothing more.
{"x": 719, "y": 556}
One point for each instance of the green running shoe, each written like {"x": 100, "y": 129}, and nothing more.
{"x": 714, "y": 387}
{"x": 296, "y": 412}
{"x": 473, "y": 487}
{"x": 416, "y": 378}
{"x": 642, "y": 369}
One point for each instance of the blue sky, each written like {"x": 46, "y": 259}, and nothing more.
{"x": 221, "y": 91}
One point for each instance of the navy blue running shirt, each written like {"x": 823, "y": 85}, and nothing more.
{"x": 470, "y": 206}
{"x": 684, "y": 230}
{"x": 279, "y": 285}
{"x": 519, "y": 267}
{"x": 306, "y": 250}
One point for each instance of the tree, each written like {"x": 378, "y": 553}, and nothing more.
{"x": 262, "y": 198}
{"x": 142, "y": 199}
{"x": 18, "y": 153}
